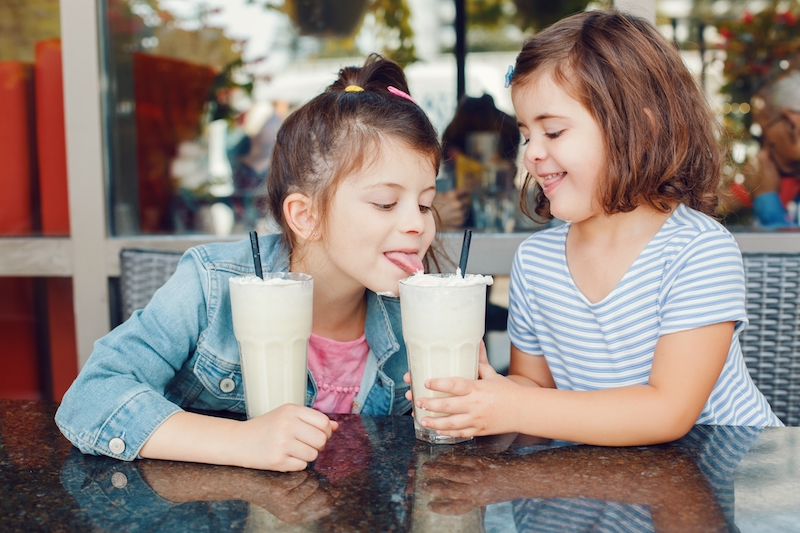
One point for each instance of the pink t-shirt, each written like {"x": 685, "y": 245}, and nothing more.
{"x": 337, "y": 368}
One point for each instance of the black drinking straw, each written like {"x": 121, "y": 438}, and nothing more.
{"x": 256, "y": 254}
{"x": 462, "y": 263}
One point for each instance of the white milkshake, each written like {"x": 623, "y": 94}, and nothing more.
{"x": 272, "y": 324}
{"x": 443, "y": 324}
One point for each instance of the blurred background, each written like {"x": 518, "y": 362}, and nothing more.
{"x": 149, "y": 123}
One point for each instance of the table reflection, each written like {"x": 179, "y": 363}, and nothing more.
{"x": 373, "y": 476}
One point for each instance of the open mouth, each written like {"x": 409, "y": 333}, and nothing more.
{"x": 408, "y": 261}
{"x": 551, "y": 181}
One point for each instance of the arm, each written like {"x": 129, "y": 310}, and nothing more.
{"x": 285, "y": 439}
{"x": 117, "y": 404}
{"x": 685, "y": 368}
{"x": 763, "y": 182}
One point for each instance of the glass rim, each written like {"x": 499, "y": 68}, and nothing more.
{"x": 442, "y": 275}
{"x": 294, "y": 276}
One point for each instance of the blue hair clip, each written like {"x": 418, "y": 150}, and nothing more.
{"x": 508, "y": 76}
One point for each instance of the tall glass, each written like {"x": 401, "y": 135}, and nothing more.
{"x": 443, "y": 324}
{"x": 272, "y": 324}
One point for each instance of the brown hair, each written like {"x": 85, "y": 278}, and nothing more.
{"x": 338, "y": 133}
{"x": 659, "y": 131}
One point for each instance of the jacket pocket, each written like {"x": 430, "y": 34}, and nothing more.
{"x": 400, "y": 405}
{"x": 221, "y": 379}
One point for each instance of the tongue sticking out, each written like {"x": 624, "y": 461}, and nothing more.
{"x": 408, "y": 262}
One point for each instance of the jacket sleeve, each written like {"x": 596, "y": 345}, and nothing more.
{"x": 117, "y": 400}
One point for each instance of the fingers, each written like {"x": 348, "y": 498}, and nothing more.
{"x": 454, "y": 425}
{"x": 407, "y": 378}
{"x": 456, "y": 386}
{"x": 485, "y": 370}
{"x": 318, "y": 420}
{"x": 483, "y": 357}
{"x": 290, "y": 464}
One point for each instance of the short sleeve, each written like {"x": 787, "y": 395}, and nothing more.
{"x": 704, "y": 285}
{"x": 521, "y": 328}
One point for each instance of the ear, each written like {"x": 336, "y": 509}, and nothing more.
{"x": 300, "y": 215}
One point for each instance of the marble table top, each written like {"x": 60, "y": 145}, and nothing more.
{"x": 374, "y": 476}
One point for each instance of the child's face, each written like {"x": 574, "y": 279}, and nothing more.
{"x": 564, "y": 148}
{"x": 380, "y": 223}
{"x": 781, "y": 138}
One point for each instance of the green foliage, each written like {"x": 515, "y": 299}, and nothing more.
{"x": 756, "y": 44}
{"x": 538, "y": 14}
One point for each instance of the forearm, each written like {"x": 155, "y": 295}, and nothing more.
{"x": 524, "y": 381}
{"x": 194, "y": 438}
{"x": 625, "y": 416}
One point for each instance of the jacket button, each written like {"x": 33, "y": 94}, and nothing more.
{"x": 227, "y": 385}
{"x": 116, "y": 445}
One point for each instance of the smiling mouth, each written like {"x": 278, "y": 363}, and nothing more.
{"x": 551, "y": 180}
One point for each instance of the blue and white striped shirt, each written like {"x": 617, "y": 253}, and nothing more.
{"x": 690, "y": 275}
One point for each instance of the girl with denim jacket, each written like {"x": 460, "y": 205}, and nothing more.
{"x": 350, "y": 184}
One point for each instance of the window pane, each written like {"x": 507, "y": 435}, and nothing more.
{"x": 737, "y": 48}
{"x": 32, "y": 147}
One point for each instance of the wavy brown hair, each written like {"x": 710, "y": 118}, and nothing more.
{"x": 339, "y": 133}
{"x": 659, "y": 131}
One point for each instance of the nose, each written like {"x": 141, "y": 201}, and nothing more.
{"x": 413, "y": 220}
{"x": 534, "y": 151}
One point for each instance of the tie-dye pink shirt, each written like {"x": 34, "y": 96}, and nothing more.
{"x": 337, "y": 368}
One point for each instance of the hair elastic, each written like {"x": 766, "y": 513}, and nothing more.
{"x": 509, "y": 74}
{"x": 353, "y": 89}
{"x": 397, "y": 92}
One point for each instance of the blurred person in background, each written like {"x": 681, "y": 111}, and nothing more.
{"x": 250, "y": 159}
{"x": 485, "y": 136}
{"x": 772, "y": 177}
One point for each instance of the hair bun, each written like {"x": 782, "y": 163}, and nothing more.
{"x": 375, "y": 75}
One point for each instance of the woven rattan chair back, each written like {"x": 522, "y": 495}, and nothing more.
{"x": 771, "y": 343}
{"x": 142, "y": 273}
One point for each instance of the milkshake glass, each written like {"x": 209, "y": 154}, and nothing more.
{"x": 272, "y": 324}
{"x": 443, "y": 324}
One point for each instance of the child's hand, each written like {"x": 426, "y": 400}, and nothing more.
{"x": 482, "y": 407}
{"x": 482, "y": 358}
{"x": 285, "y": 439}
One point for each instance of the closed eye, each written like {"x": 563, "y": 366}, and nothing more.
{"x": 385, "y": 207}
{"x": 553, "y": 135}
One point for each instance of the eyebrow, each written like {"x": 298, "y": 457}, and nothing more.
{"x": 539, "y": 118}
{"x": 396, "y": 186}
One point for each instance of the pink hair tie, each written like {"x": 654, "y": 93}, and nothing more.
{"x": 397, "y": 92}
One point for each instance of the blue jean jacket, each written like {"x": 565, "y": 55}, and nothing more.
{"x": 180, "y": 353}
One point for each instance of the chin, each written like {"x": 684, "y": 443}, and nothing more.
{"x": 393, "y": 287}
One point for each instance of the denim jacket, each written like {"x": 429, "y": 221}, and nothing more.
{"x": 180, "y": 352}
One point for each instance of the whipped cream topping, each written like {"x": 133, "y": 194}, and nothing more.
{"x": 447, "y": 280}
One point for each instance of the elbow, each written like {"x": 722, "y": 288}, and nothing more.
{"x": 675, "y": 425}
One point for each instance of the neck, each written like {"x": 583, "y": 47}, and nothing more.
{"x": 340, "y": 308}
{"x": 619, "y": 227}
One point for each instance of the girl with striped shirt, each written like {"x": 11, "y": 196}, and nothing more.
{"x": 624, "y": 321}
